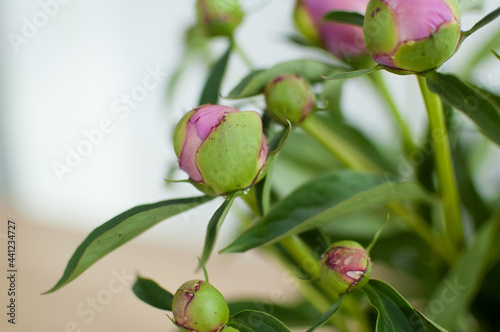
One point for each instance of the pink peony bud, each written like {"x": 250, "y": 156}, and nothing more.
{"x": 345, "y": 41}
{"x": 345, "y": 266}
{"x": 222, "y": 149}
{"x": 415, "y": 35}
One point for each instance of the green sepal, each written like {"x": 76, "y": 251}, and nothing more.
{"x": 428, "y": 53}
{"x": 180, "y": 133}
{"x": 379, "y": 28}
{"x": 228, "y": 158}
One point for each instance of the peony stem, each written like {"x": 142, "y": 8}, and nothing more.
{"x": 447, "y": 184}
{"x": 337, "y": 145}
{"x": 381, "y": 86}
{"x": 352, "y": 158}
{"x": 243, "y": 56}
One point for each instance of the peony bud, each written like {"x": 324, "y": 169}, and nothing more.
{"x": 199, "y": 306}
{"x": 219, "y": 17}
{"x": 345, "y": 267}
{"x": 414, "y": 35}
{"x": 221, "y": 149}
{"x": 289, "y": 97}
{"x": 345, "y": 41}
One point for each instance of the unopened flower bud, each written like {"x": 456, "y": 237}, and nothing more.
{"x": 344, "y": 40}
{"x": 199, "y": 306}
{"x": 219, "y": 17}
{"x": 345, "y": 267}
{"x": 412, "y": 35}
{"x": 221, "y": 149}
{"x": 289, "y": 97}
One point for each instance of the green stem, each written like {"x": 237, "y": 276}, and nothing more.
{"x": 355, "y": 160}
{"x": 442, "y": 246}
{"x": 302, "y": 254}
{"x": 337, "y": 145}
{"x": 315, "y": 292}
{"x": 246, "y": 60}
{"x": 381, "y": 85}
{"x": 447, "y": 184}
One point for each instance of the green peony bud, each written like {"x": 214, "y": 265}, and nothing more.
{"x": 345, "y": 267}
{"x": 198, "y": 306}
{"x": 412, "y": 35}
{"x": 222, "y": 149}
{"x": 219, "y": 17}
{"x": 289, "y": 97}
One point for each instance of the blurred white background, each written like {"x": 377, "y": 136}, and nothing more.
{"x": 68, "y": 68}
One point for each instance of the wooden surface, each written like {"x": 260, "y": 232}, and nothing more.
{"x": 101, "y": 300}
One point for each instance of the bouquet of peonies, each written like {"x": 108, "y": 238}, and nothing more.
{"x": 355, "y": 209}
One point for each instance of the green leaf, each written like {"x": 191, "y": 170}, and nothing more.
{"x": 297, "y": 315}
{"x": 322, "y": 201}
{"x": 299, "y": 40}
{"x": 121, "y": 229}
{"x": 482, "y": 22}
{"x": 211, "y": 90}
{"x": 256, "y": 321}
{"x": 327, "y": 315}
{"x": 395, "y": 314}
{"x": 153, "y": 294}
{"x": 458, "y": 288}
{"x": 496, "y": 54}
{"x": 255, "y": 82}
{"x": 358, "y": 140}
{"x": 353, "y": 74}
{"x": 213, "y": 228}
{"x": 468, "y": 100}
{"x": 345, "y": 17}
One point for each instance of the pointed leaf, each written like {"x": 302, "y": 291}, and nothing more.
{"x": 327, "y": 315}
{"x": 322, "y": 201}
{"x": 496, "y": 55}
{"x": 395, "y": 314}
{"x": 468, "y": 100}
{"x": 211, "y": 90}
{"x": 256, "y": 321}
{"x": 352, "y": 74}
{"x": 255, "y": 82}
{"x": 482, "y": 22}
{"x": 153, "y": 294}
{"x": 213, "y": 228}
{"x": 297, "y": 315}
{"x": 299, "y": 40}
{"x": 459, "y": 287}
{"x": 121, "y": 229}
{"x": 352, "y": 18}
